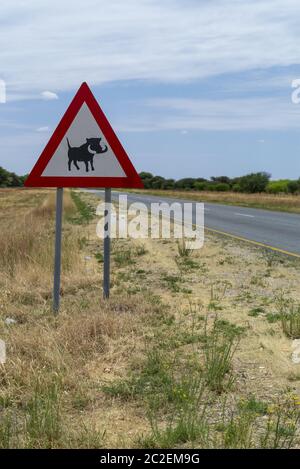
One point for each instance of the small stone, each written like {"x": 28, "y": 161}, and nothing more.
{"x": 2, "y": 352}
{"x": 296, "y": 343}
{"x": 10, "y": 321}
{"x": 296, "y": 351}
{"x": 87, "y": 258}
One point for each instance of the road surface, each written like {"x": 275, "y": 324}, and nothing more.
{"x": 279, "y": 231}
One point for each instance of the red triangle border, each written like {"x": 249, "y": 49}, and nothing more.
{"x": 35, "y": 178}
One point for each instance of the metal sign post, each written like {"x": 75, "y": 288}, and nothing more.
{"x": 107, "y": 227}
{"x": 57, "y": 256}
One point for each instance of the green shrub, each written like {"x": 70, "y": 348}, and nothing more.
{"x": 290, "y": 321}
{"x": 220, "y": 344}
{"x": 8, "y": 179}
{"x": 278, "y": 187}
{"x": 294, "y": 187}
{"x": 183, "y": 249}
{"x": 168, "y": 184}
{"x": 201, "y": 186}
{"x": 254, "y": 182}
{"x": 221, "y": 187}
{"x": 185, "y": 183}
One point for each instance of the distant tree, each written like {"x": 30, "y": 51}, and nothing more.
{"x": 4, "y": 177}
{"x": 8, "y": 179}
{"x": 236, "y": 187}
{"x": 221, "y": 187}
{"x": 235, "y": 181}
{"x": 23, "y": 179}
{"x": 146, "y": 178}
{"x": 157, "y": 182}
{"x": 221, "y": 180}
{"x": 251, "y": 183}
{"x": 145, "y": 175}
{"x": 254, "y": 182}
{"x": 201, "y": 186}
{"x": 168, "y": 184}
{"x": 294, "y": 186}
{"x": 186, "y": 183}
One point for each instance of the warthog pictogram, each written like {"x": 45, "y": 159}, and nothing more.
{"x": 85, "y": 153}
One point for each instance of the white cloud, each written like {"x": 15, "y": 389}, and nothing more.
{"x": 49, "y": 95}
{"x": 58, "y": 45}
{"x": 43, "y": 129}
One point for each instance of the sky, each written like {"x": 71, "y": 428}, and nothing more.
{"x": 193, "y": 88}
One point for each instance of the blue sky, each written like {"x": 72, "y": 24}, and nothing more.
{"x": 193, "y": 88}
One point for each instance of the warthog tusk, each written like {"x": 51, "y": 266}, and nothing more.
{"x": 91, "y": 151}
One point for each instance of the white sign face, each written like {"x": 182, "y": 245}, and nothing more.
{"x": 84, "y": 151}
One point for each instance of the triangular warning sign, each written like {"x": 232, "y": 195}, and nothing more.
{"x": 84, "y": 151}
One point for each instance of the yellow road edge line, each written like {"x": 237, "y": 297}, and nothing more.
{"x": 256, "y": 243}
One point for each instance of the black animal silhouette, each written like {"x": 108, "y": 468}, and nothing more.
{"x": 85, "y": 153}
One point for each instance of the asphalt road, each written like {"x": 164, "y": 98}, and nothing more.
{"x": 277, "y": 230}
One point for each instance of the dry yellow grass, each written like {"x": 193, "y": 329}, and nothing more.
{"x": 65, "y": 352}
{"x": 26, "y": 239}
{"x": 52, "y": 382}
{"x": 281, "y": 202}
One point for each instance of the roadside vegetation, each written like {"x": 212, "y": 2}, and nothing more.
{"x": 193, "y": 349}
{"x": 250, "y": 184}
{"x": 8, "y": 179}
{"x": 253, "y": 190}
